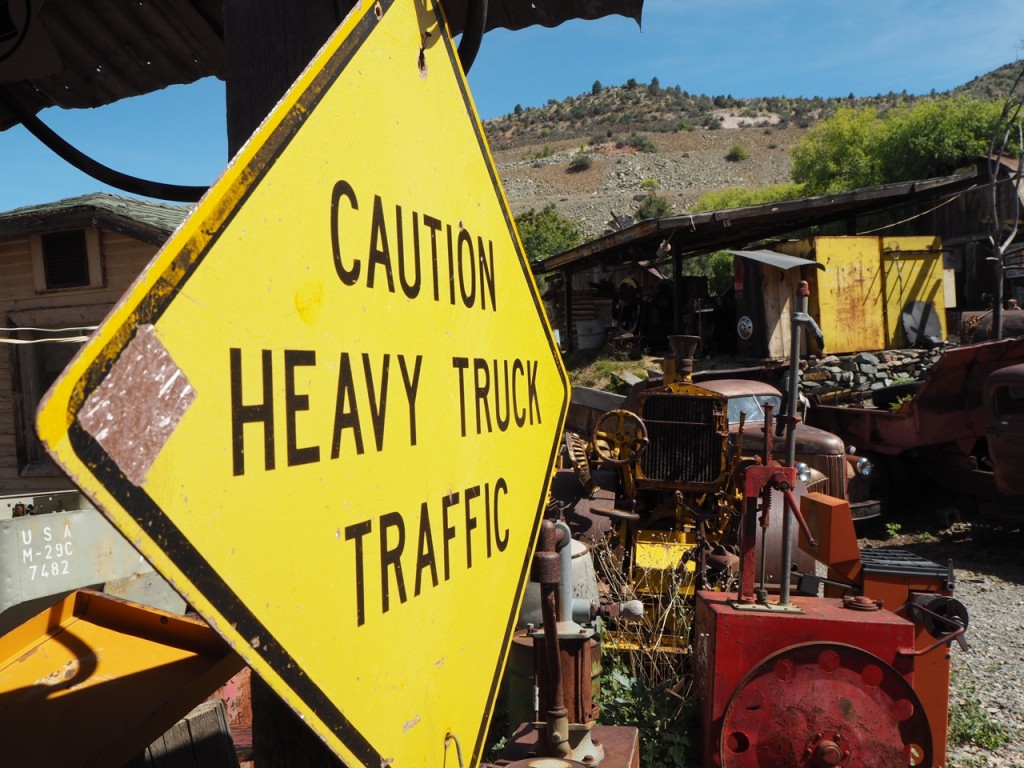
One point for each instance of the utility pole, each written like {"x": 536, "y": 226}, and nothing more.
{"x": 267, "y": 45}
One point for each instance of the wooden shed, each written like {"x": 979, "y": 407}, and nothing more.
{"x": 64, "y": 265}
{"x": 869, "y": 284}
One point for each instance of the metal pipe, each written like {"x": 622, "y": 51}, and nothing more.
{"x": 557, "y": 717}
{"x": 473, "y": 33}
{"x": 87, "y": 165}
{"x": 564, "y": 549}
{"x": 803, "y": 293}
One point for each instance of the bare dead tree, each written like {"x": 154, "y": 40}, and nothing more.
{"x": 1007, "y": 141}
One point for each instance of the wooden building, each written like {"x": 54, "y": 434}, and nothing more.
{"x": 954, "y": 211}
{"x": 63, "y": 266}
{"x": 868, "y": 284}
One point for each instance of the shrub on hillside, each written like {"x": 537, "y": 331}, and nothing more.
{"x": 641, "y": 143}
{"x": 654, "y": 206}
{"x": 581, "y": 161}
{"x": 737, "y": 153}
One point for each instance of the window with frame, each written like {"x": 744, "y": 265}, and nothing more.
{"x": 38, "y": 360}
{"x": 67, "y": 260}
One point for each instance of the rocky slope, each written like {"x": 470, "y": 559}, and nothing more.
{"x": 639, "y": 132}
{"x": 685, "y": 165}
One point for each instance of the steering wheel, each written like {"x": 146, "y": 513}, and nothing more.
{"x": 620, "y": 437}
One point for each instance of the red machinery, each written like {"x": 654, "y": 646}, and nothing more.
{"x": 857, "y": 678}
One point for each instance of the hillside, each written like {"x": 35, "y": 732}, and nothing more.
{"x": 589, "y": 154}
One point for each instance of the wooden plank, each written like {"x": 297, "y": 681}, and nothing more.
{"x": 211, "y": 737}
{"x": 200, "y": 740}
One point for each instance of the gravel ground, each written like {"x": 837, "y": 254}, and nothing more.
{"x": 988, "y": 681}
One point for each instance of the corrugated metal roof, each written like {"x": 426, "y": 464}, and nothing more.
{"x": 74, "y": 54}
{"x": 144, "y": 220}
{"x": 708, "y": 231}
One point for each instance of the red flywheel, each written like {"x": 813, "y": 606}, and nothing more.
{"x": 817, "y": 705}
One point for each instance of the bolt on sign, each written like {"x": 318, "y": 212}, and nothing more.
{"x": 328, "y": 410}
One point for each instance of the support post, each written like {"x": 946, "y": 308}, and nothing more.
{"x": 267, "y": 44}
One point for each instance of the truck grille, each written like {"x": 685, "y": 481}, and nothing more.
{"x": 836, "y": 476}
{"x": 685, "y": 446}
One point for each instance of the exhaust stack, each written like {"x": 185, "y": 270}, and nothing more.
{"x": 679, "y": 367}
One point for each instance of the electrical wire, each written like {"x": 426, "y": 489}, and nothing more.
{"x": 949, "y": 200}
{"x": 49, "y": 330}
{"x": 61, "y": 340}
{"x": 77, "y": 339}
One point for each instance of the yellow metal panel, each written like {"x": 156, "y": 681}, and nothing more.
{"x": 849, "y": 294}
{"x": 913, "y": 272}
{"x": 328, "y": 410}
{"x": 92, "y": 680}
{"x": 660, "y": 565}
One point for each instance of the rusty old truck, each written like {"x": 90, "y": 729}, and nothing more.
{"x": 959, "y": 429}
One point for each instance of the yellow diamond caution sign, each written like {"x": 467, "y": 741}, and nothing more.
{"x": 328, "y": 410}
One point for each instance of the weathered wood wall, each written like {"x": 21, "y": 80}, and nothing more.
{"x": 21, "y": 305}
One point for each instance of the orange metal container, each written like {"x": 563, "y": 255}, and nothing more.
{"x": 93, "y": 680}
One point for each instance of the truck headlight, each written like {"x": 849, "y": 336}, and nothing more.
{"x": 803, "y": 472}
{"x": 864, "y": 467}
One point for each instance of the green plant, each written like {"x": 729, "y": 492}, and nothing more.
{"x": 664, "y": 721}
{"x": 641, "y": 143}
{"x": 738, "y": 197}
{"x": 546, "y": 232}
{"x": 737, "y": 153}
{"x": 892, "y": 530}
{"x": 969, "y": 722}
{"x": 650, "y": 185}
{"x": 716, "y": 267}
{"x": 896, "y": 404}
{"x": 860, "y": 147}
{"x": 654, "y": 206}
{"x": 581, "y": 161}
{"x": 644, "y": 685}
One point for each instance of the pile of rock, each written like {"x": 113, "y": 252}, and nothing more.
{"x": 862, "y": 373}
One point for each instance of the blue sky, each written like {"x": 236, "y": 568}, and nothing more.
{"x": 744, "y": 48}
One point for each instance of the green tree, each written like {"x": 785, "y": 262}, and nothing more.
{"x": 716, "y": 267}
{"x": 546, "y": 232}
{"x": 935, "y": 137}
{"x": 839, "y": 153}
{"x": 858, "y": 148}
{"x": 596, "y": 88}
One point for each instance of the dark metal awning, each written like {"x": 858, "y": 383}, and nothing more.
{"x": 693, "y": 234}
{"x": 780, "y": 260}
{"x": 74, "y": 54}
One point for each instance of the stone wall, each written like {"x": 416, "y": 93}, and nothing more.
{"x": 862, "y": 373}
